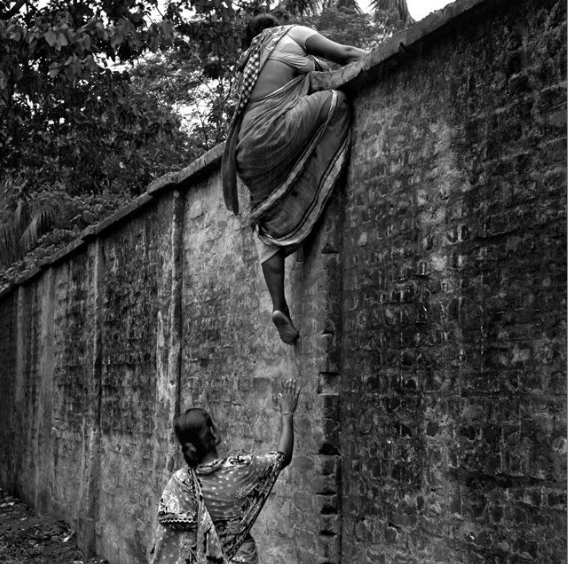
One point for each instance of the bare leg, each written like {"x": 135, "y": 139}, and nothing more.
{"x": 274, "y": 273}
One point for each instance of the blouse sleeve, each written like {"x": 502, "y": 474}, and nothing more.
{"x": 178, "y": 508}
{"x": 176, "y": 532}
{"x": 301, "y": 33}
{"x": 262, "y": 473}
{"x": 271, "y": 463}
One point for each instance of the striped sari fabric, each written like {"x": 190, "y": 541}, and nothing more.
{"x": 288, "y": 148}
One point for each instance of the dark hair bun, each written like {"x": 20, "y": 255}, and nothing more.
{"x": 256, "y": 25}
{"x": 193, "y": 430}
{"x": 190, "y": 453}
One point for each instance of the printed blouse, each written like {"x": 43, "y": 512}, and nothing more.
{"x": 205, "y": 514}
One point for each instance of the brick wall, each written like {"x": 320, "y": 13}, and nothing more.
{"x": 8, "y": 340}
{"x": 453, "y": 406}
{"x": 430, "y": 300}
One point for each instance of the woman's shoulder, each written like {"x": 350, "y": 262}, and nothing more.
{"x": 301, "y": 28}
{"x": 254, "y": 460}
{"x": 238, "y": 460}
{"x": 180, "y": 475}
{"x": 229, "y": 462}
{"x": 242, "y": 459}
{"x": 301, "y": 33}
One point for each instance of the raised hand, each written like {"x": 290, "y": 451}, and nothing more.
{"x": 288, "y": 398}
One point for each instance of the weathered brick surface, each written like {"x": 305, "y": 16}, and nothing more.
{"x": 28, "y": 382}
{"x": 453, "y": 387}
{"x": 136, "y": 291}
{"x": 431, "y": 306}
{"x": 8, "y": 339}
{"x": 73, "y": 398}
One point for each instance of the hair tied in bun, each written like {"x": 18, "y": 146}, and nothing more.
{"x": 190, "y": 453}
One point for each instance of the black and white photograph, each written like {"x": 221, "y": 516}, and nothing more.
{"x": 283, "y": 282}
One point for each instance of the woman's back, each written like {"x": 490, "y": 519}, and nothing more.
{"x": 288, "y": 59}
{"x": 230, "y": 485}
{"x": 233, "y": 491}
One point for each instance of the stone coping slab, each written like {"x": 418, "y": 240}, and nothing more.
{"x": 393, "y": 52}
{"x": 184, "y": 178}
{"x": 117, "y": 219}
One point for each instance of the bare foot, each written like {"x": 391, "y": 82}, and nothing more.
{"x": 286, "y": 329}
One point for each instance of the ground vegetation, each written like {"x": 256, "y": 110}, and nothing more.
{"x": 28, "y": 538}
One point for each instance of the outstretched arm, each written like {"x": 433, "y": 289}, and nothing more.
{"x": 320, "y": 46}
{"x": 288, "y": 400}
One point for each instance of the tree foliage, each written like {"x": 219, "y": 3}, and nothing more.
{"x": 73, "y": 128}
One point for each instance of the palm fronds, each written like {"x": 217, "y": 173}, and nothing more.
{"x": 394, "y": 6}
{"x": 25, "y": 215}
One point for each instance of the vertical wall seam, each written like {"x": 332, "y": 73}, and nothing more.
{"x": 98, "y": 366}
{"x": 90, "y": 504}
{"x": 176, "y": 319}
{"x": 18, "y": 391}
{"x": 168, "y": 356}
{"x": 45, "y": 477}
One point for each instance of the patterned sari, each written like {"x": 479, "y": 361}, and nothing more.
{"x": 288, "y": 148}
{"x": 205, "y": 515}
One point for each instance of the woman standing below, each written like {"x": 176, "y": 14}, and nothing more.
{"x": 287, "y": 143}
{"x": 208, "y": 507}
